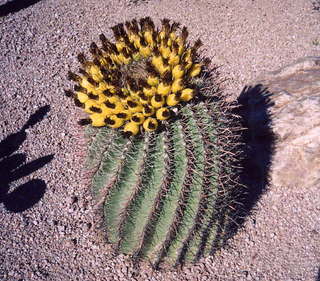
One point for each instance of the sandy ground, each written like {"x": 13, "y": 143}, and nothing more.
{"x": 56, "y": 239}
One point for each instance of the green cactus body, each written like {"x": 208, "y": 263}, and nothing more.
{"x": 164, "y": 200}
{"x": 162, "y": 144}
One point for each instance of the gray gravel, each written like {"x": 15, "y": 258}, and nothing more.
{"x": 56, "y": 239}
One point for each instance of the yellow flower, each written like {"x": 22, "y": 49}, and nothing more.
{"x": 150, "y": 124}
{"x": 130, "y": 83}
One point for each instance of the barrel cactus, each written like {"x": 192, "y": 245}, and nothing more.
{"x": 162, "y": 143}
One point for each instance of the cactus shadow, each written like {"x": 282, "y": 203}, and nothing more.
{"x": 13, "y": 168}
{"x": 258, "y": 149}
{"x": 14, "y": 6}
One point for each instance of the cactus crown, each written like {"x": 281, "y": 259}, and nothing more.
{"x": 139, "y": 81}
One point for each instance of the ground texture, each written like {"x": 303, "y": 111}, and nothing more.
{"x": 56, "y": 238}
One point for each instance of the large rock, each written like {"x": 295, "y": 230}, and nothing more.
{"x": 286, "y": 104}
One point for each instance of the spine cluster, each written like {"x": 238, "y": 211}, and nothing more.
{"x": 136, "y": 82}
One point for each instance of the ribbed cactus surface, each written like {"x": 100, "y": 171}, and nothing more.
{"x": 162, "y": 144}
{"x": 166, "y": 196}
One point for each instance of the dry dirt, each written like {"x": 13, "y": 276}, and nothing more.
{"x": 55, "y": 239}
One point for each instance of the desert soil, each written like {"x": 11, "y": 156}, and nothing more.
{"x": 56, "y": 238}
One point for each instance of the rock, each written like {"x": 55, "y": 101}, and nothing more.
{"x": 284, "y": 106}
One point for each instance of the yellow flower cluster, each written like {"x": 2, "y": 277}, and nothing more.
{"x": 135, "y": 82}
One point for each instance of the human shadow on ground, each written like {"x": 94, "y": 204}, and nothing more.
{"x": 12, "y": 168}
{"x": 15, "y": 6}
{"x": 318, "y": 276}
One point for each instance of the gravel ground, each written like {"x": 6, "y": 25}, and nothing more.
{"x": 56, "y": 238}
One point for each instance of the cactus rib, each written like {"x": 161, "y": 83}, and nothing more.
{"x": 141, "y": 205}
{"x": 108, "y": 167}
{"x": 161, "y": 220}
{"x": 123, "y": 188}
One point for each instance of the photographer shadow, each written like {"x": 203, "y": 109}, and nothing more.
{"x": 12, "y": 168}
{"x": 14, "y": 6}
